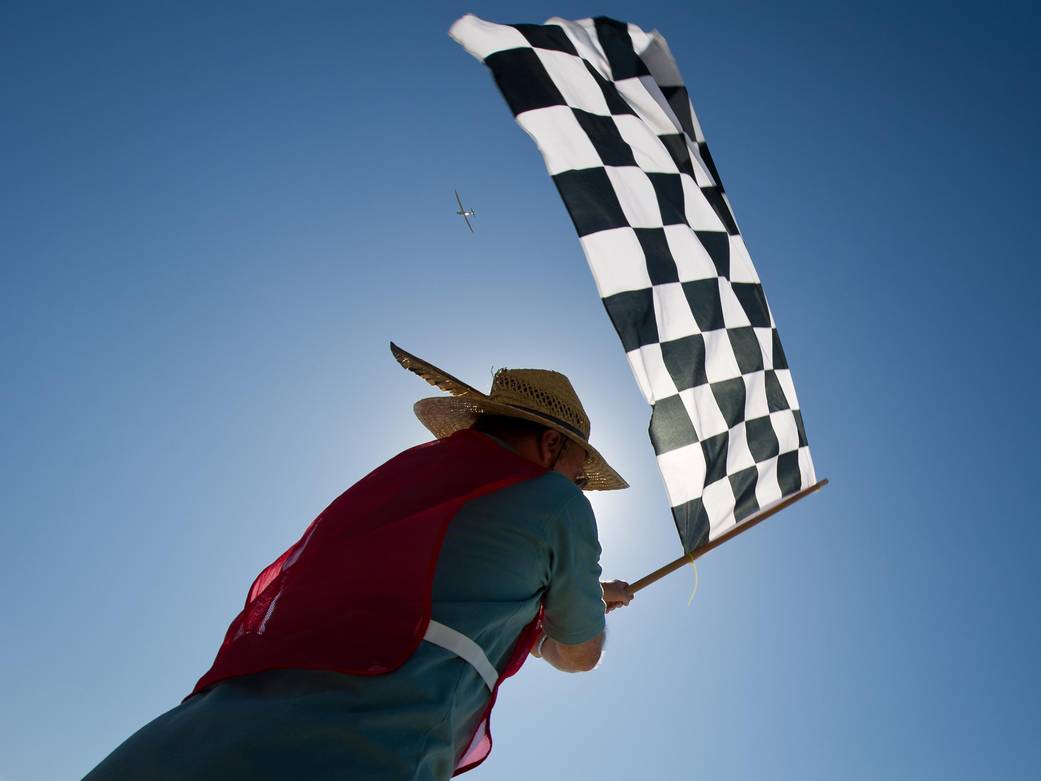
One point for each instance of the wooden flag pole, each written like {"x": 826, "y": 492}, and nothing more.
{"x": 745, "y": 525}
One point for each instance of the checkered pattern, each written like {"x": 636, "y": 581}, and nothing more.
{"x": 605, "y": 103}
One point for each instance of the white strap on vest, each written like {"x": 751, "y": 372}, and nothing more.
{"x": 463, "y": 647}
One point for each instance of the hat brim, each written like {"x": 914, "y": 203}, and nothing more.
{"x": 445, "y": 415}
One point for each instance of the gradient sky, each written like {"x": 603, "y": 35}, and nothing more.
{"x": 214, "y": 217}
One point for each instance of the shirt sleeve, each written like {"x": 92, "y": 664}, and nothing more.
{"x": 574, "y": 600}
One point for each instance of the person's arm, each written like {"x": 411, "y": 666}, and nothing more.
{"x": 582, "y": 657}
{"x": 575, "y": 599}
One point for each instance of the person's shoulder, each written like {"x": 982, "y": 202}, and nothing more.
{"x": 547, "y": 498}
{"x": 548, "y": 495}
{"x": 565, "y": 502}
{"x": 555, "y": 486}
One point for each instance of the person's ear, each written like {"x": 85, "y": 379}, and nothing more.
{"x": 549, "y": 441}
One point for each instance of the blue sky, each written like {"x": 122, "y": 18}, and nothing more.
{"x": 213, "y": 220}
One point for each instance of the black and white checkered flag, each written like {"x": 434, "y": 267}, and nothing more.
{"x": 605, "y": 103}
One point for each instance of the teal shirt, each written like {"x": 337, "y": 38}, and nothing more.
{"x": 503, "y": 553}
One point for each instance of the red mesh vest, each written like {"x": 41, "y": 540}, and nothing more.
{"x": 353, "y": 595}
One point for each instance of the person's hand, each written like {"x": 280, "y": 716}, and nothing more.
{"x": 616, "y": 594}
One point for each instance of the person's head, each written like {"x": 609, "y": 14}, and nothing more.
{"x": 541, "y": 444}
{"x": 535, "y": 411}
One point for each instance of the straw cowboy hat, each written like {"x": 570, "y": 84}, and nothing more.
{"x": 538, "y": 395}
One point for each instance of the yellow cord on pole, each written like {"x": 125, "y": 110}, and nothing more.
{"x": 696, "y": 580}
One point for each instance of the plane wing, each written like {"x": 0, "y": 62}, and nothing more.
{"x": 459, "y": 201}
{"x": 468, "y": 225}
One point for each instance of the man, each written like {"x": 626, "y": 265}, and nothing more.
{"x": 374, "y": 647}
